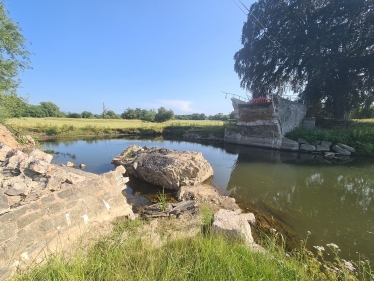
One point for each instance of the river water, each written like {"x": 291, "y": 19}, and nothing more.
{"x": 334, "y": 201}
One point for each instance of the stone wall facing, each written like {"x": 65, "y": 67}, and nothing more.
{"x": 44, "y": 206}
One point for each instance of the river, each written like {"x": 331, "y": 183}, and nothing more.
{"x": 334, "y": 201}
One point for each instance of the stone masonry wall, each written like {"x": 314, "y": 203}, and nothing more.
{"x": 43, "y": 206}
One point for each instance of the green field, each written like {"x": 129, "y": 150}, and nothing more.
{"x": 74, "y": 126}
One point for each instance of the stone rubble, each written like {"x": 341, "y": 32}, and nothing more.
{"x": 170, "y": 169}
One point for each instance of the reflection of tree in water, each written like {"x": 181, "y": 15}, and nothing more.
{"x": 335, "y": 201}
{"x": 67, "y": 155}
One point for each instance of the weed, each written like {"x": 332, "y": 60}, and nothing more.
{"x": 161, "y": 197}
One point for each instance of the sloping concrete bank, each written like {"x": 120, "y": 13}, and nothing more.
{"x": 43, "y": 206}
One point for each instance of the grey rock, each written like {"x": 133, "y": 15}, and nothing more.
{"x": 326, "y": 143}
{"x": 70, "y": 164}
{"x": 349, "y": 148}
{"x": 236, "y": 226}
{"x": 322, "y": 148}
{"x": 301, "y": 140}
{"x": 307, "y": 147}
{"x": 341, "y": 150}
{"x": 17, "y": 188}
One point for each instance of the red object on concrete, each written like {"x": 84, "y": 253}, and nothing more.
{"x": 260, "y": 100}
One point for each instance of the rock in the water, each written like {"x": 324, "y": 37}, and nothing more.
{"x": 70, "y": 164}
{"x": 322, "y": 148}
{"x": 82, "y": 166}
{"x": 301, "y": 140}
{"x": 341, "y": 150}
{"x": 349, "y": 148}
{"x": 170, "y": 169}
{"x": 326, "y": 143}
{"x": 307, "y": 147}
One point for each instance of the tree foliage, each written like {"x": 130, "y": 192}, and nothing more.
{"x": 163, "y": 115}
{"x": 322, "y": 50}
{"x": 14, "y": 58}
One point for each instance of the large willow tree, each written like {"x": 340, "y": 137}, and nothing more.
{"x": 322, "y": 50}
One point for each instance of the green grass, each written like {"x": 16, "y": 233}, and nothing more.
{"x": 203, "y": 257}
{"x": 73, "y": 127}
{"x": 358, "y": 134}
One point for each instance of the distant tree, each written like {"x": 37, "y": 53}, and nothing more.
{"x": 73, "y": 115}
{"x": 34, "y": 111}
{"x": 87, "y": 114}
{"x": 148, "y": 115}
{"x": 110, "y": 114}
{"x": 50, "y": 109}
{"x": 129, "y": 113}
{"x": 11, "y": 106}
{"x": 322, "y": 50}
{"x": 163, "y": 115}
{"x": 97, "y": 116}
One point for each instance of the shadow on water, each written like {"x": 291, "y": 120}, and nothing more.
{"x": 291, "y": 192}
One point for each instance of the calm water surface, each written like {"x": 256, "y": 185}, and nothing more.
{"x": 333, "y": 201}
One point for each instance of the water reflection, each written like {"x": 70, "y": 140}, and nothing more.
{"x": 333, "y": 201}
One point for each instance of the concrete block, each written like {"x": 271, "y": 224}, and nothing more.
{"x": 326, "y": 143}
{"x": 7, "y": 231}
{"x": 48, "y": 199}
{"x": 307, "y": 147}
{"x": 51, "y": 223}
{"x": 30, "y": 218}
{"x": 55, "y": 208}
{"x": 13, "y": 215}
{"x": 66, "y": 193}
{"x": 4, "y": 205}
{"x": 341, "y": 150}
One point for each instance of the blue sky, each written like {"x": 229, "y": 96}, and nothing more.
{"x": 146, "y": 54}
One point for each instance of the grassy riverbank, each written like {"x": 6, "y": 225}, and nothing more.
{"x": 127, "y": 255}
{"x": 66, "y": 127}
{"x": 358, "y": 134}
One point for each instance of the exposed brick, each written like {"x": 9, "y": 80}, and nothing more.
{"x": 48, "y": 199}
{"x": 30, "y": 218}
{"x": 66, "y": 193}
{"x": 3, "y": 202}
{"x": 13, "y": 215}
{"x": 56, "y": 208}
{"x": 7, "y": 231}
{"x": 51, "y": 223}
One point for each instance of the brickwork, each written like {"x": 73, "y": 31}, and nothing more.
{"x": 70, "y": 201}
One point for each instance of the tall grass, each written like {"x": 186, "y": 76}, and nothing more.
{"x": 124, "y": 255}
{"x": 73, "y": 127}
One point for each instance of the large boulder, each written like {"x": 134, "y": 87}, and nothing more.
{"x": 170, "y": 169}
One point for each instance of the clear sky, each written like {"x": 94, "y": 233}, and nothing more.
{"x": 127, "y": 53}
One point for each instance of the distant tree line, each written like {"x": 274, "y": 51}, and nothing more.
{"x": 202, "y": 116}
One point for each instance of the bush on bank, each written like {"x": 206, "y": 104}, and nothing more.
{"x": 358, "y": 134}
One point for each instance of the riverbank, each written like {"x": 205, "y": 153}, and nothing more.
{"x": 358, "y": 134}
{"x": 44, "y": 128}
{"x": 271, "y": 272}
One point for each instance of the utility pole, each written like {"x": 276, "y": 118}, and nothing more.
{"x": 104, "y": 111}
